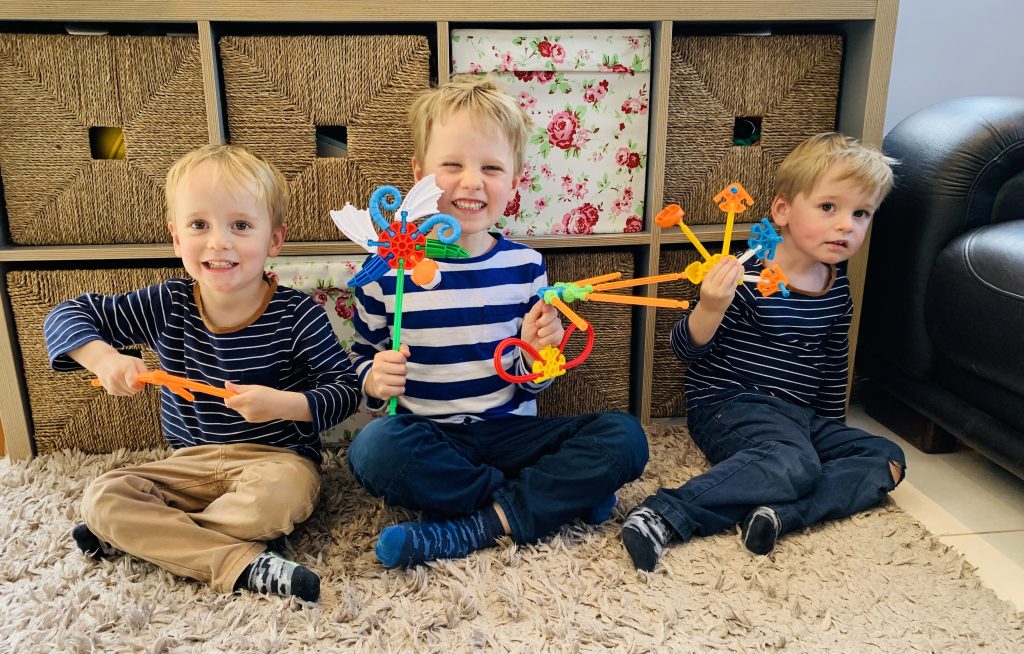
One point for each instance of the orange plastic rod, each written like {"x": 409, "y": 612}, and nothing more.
{"x": 654, "y": 279}
{"x": 639, "y": 299}
{"x": 580, "y": 323}
{"x": 599, "y": 279}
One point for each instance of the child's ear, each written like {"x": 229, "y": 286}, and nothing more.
{"x": 174, "y": 239}
{"x": 417, "y": 172}
{"x": 780, "y": 210}
{"x": 276, "y": 240}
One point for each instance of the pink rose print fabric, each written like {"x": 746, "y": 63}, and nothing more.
{"x": 325, "y": 280}
{"x": 588, "y": 93}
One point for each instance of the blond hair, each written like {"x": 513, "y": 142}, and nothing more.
{"x": 484, "y": 100}
{"x": 241, "y": 169}
{"x": 801, "y": 171}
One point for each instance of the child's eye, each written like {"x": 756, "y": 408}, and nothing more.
{"x": 197, "y": 224}
{"x": 826, "y": 206}
{"x": 451, "y": 164}
{"x": 241, "y": 225}
{"x": 861, "y": 213}
{"x": 493, "y": 169}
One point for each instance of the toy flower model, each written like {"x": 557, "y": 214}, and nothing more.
{"x": 401, "y": 245}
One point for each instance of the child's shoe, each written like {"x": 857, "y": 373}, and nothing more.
{"x": 761, "y": 529}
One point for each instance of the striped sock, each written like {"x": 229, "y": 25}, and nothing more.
{"x": 411, "y": 543}
{"x": 270, "y": 573}
{"x": 645, "y": 535}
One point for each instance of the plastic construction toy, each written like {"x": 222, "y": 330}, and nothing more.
{"x": 400, "y": 245}
{"x": 732, "y": 199}
{"x": 550, "y": 361}
{"x": 178, "y": 385}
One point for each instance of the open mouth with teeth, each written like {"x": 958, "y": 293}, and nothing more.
{"x": 469, "y": 205}
{"x": 219, "y": 265}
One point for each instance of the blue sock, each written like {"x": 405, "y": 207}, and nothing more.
{"x": 602, "y": 511}
{"x": 411, "y": 543}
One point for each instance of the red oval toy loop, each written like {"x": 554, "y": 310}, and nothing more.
{"x": 586, "y": 349}
{"x": 523, "y": 345}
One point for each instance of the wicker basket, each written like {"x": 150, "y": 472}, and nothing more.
{"x": 602, "y": 382}
{"x": 53, "y": 89}
{"x": 667, "y": 380}
{"x": 279, "y": 89}
{"x": 791, "y": 82}
{"x": 66, "y": 411}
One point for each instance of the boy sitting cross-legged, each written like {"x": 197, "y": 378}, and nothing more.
{"x": 766, "y": 387}
{"x": 244, "y": 470}
{"x": 466, "y": 447}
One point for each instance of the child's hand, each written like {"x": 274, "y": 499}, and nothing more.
{"x": 386, "y": 378}
{"x": 263, "y": 404}
{"x": 119, "y": 373}
{"x": 541, "y": 327}
{"x": 719, "y": 286}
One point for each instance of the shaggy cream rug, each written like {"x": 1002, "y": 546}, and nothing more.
{"x": 876, "y": 582}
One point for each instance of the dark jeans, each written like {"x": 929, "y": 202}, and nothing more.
{"x": 767, "y": 451}
{"x": 543, "y": 472}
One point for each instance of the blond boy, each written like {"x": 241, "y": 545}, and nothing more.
{"x": 244, "y": 470}
{"x": 467, "y": 447}
{"x": 766, "y": 386}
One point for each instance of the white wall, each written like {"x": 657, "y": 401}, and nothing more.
{"x": 951, "y": 48}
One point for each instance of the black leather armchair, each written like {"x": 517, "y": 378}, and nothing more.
{"x": 941, "y": 343}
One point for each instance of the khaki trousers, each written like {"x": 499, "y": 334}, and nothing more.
{"x": 205, "y": 511}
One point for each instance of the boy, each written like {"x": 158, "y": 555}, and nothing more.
{"x": 466, "y": 445}
{"x": 766, "y": 386}
{"x": 244, "y": 470}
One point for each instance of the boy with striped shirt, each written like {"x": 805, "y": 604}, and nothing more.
{"x": 766, "y": 386}
{"x": 467, "y": 447}
{"x": 245, "y": 470}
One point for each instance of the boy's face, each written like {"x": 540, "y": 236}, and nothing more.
{"x": 829, "y": 223}
{"x": 473, "y": 163}
{"x": 222, "y": 240}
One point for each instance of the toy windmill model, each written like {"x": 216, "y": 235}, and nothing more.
{"x": 401, "y": 245}
{"x": 733, "y": 199}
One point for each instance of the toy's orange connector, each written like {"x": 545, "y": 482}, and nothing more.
{"x": 178, "y": 385}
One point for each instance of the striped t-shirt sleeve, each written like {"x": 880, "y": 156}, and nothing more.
{"x": 120, "y": 320}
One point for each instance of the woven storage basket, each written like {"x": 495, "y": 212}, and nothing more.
{"x": 602, "y": 382}
{"x": 53, "y": 89}
{"x": 67, "y": 412}
{"x": 667, "y": 380}
{"x": 279, "y": 89}
{"x": 791, "y": 82}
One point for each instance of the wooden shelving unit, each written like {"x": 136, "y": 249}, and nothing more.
{"x": 868, "y": 27}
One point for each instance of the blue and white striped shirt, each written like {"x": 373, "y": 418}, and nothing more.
{"x": 452, "y": 332}
{"x": 290, "y": 347}
{"x": 793, "y": 348}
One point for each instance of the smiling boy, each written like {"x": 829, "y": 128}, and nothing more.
{"x": 244, "y": 470}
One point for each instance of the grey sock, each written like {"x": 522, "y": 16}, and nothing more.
{"x": 761, "y": 529}
{"x": 91, "y": 545}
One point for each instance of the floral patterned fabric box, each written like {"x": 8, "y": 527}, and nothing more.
{"x": 325, "y": 279}
{"x": 588, "y": 93}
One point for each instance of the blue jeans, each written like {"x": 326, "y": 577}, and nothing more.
{"x": 767, "y": 451}
{"x": 542, "y": 472}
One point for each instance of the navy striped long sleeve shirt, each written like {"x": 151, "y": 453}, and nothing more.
{"x": 290, "y": 347}
{"x": 452, "y": 332}
{"x": 793, "y": 348}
